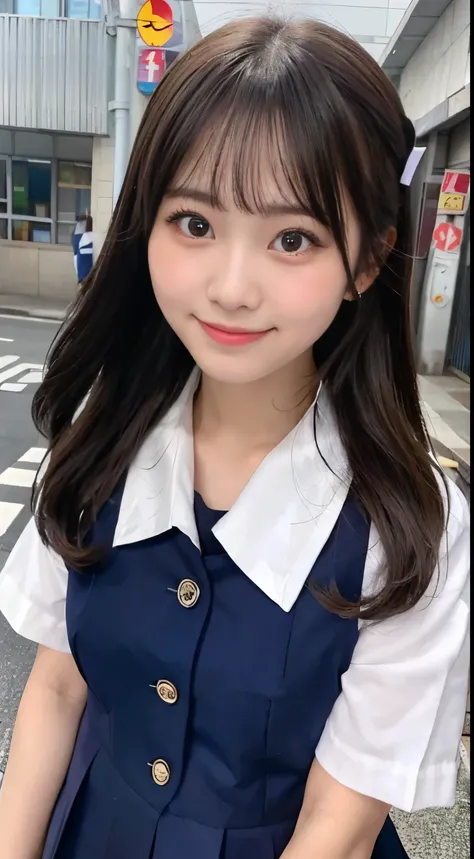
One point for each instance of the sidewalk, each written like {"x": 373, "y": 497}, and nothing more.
{"x": 447, "y": 407}
{"x": 40, "y": 308}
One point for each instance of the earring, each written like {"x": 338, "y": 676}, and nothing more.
{"x": 359, "y": 294}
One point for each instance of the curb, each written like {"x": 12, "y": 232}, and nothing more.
{"x": 464, "y": 467}
{"x": 51, "y": 315}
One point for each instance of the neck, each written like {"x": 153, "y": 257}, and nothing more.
{"x": 257, "y": 414}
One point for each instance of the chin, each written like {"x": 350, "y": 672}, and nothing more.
{"x": 233, "y": 369}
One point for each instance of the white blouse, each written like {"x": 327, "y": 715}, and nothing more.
{"x": 394, "y": 731}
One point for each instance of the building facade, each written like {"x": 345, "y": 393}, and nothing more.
{"x": 65, "y": 62}
{"x": 60, "y": 101}
{"x": 428, "y": 60}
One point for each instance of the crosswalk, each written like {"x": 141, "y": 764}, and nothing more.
{"x": 17, "y": 481}
{"x": 23, "y": 373}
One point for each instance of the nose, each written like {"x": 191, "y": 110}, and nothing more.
{"x": 233, "y": 284}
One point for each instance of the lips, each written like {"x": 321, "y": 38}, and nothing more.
{"x": 231, "y": 336}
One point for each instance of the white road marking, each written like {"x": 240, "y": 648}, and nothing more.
{"x": 34, "y": 454}
{"x": 17, "y": 477}
{"x": 12, "y": 386}
{"x": 6, "y": 340}
{"x": 8, "y": 513}
{"x": 34, "y": 377}
{"x": 5, "y": 360}
{"x": 19, "y": 368}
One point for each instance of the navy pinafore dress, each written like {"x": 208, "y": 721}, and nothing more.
{"x": 206, "y": 700}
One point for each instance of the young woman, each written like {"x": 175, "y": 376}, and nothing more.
{"x": 246, "y": 575}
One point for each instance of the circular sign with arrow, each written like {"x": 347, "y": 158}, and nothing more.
{"x": 155, "y": 23}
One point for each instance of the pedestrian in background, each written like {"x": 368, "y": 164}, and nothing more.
{"x": 247, "y": 574}
{"x": 79, "y": 231}
{"x": 85, "y": 251}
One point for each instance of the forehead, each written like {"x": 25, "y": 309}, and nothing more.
{"x": 251, "y": 169}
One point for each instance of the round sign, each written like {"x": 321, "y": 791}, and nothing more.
{"x": 155, "y": 23}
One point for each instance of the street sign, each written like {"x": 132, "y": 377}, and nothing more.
{"x": 155, "y": 23}
{"x": 447, "y": 237}
{"x": 454, "y": 192}
{"x": 456, "y": 182}
{"x": 151, "y": 68}
{"x": 451, "y": 203}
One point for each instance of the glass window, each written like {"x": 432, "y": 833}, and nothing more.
{"x": 31, "y": 231}
{"x": 28, "y": 7}
{"x": 44, "y": 8}
{"x": 428, "y": 217}
{"x": 74, "y": 196}
{"x": 3, "y": 207}
{"x": 82, "y": 9}
{"x": 3, "y": 228}
{"x": 74, "y": 174}
{"x": 31, "y": 181}
{"x": 64, "y": 234}
{"x": 50, "y": 9}
{"x": 3, "y": 179}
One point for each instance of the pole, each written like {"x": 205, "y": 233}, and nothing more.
{"x": 124, "y": 57}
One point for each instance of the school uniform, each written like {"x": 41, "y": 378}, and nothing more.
{"x": 85, "y": 255}
{"x": 214, "y": 674}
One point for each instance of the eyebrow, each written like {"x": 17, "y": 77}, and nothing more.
{"x": 209, "y": 200}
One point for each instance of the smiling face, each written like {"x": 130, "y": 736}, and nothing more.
{"x": 247, "y": 292}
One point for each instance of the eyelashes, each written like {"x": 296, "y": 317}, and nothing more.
{"x": 292, "y": 241}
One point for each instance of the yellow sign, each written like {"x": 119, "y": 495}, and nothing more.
{"x": 155, "y": 23}
{"x": 451, "y": 202}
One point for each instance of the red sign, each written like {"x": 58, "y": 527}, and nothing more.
{"x": 456, "y": 183}
{"x": 447, "y": 237}
{"x": 151, "y": 68}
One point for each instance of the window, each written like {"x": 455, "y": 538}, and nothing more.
{"x": 74, "y": 196}
{"x": 31, "y": 192}
{"x": 3, "y": 198}
{"x": 41, "y": 199}
{"x": 82, "y": 9}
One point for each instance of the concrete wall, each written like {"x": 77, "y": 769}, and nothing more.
{"x": 43, "y": 271}
{"x": 440, "y": 67}
{"x": 102, "y": 183}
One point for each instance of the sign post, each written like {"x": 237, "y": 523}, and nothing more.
{"x": 151, "y": 68}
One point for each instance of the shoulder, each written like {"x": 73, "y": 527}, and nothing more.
{"x": 394, "y": 732}
{"x": 33, "y": 587}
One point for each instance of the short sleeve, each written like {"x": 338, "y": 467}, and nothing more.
{"x": 395, "y": 729}
{"x": 33, "y": 586}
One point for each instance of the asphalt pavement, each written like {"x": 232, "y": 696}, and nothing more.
{"x": 23, "y": 347}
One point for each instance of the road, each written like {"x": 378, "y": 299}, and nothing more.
{"x": 22, "y": 342}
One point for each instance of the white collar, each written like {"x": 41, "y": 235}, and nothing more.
{"x": 282, "y": 519}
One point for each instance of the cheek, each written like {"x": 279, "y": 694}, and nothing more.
{"x": 312, "y": 296}
{"x": 173, "y": 275}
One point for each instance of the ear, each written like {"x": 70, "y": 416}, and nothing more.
{"x": 365, "y": 280}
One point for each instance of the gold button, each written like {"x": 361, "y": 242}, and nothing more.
{"x": 167, "y": 691}
{"x": 161, "y": 772}
{"x": 188, "y": 593}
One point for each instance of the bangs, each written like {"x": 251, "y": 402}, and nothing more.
{"x": 253, "y": 148}
{"x": 248, "y": 156}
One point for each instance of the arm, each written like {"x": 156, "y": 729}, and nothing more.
{"x": 43, "y": 740}
{"x": 335, "y": 822}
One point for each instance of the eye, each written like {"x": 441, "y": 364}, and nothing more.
{"x": 293, "y": 242}
{"x": 193, "y": 226}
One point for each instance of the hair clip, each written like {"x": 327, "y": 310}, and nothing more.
{"x": 411, "y": 166}
{"x": 416, "y": 152}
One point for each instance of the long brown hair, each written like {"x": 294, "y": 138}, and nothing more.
{"x": 332, "y": 124}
